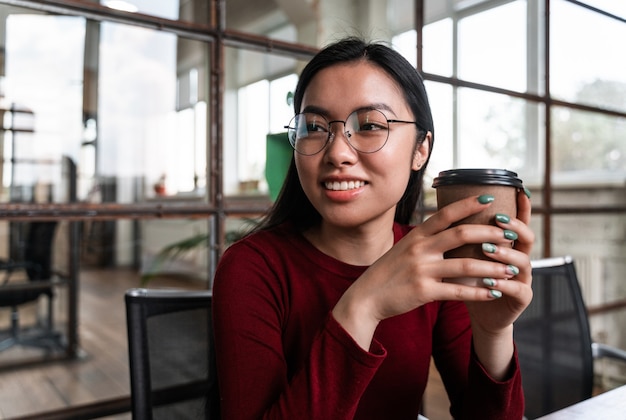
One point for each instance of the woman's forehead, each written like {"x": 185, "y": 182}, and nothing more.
{"x": 353, "y": 85}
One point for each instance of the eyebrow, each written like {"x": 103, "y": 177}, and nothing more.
{"x": 380, "y": 106}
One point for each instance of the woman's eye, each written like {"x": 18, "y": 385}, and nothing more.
{"x": 315, "y": 127}
{"x": 370, "y": 126}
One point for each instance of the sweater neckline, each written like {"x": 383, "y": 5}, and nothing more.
{"x": 333, "y": 264}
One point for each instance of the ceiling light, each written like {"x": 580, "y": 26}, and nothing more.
{"x": 121, "y": 5}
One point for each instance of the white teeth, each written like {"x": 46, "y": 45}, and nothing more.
{"x": 344, "y": 185}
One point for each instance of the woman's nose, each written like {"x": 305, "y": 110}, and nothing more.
{"x": 339, "y": 150}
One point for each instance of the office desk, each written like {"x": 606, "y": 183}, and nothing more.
{"x": 610, "y": 405}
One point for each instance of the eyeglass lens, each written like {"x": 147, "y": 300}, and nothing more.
{"x": 366, "y": 131}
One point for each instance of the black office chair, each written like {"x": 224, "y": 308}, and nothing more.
{"x": 556, "y": 352}
{"x": 36, "y": 260}
{"x": 170, "y": 344}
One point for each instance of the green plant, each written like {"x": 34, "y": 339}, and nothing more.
{"x": 201, "y": 240}
{"x": 173, "y": 251}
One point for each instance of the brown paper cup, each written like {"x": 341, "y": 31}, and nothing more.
{"x": 455, "y": 184}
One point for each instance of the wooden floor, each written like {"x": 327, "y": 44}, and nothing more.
{"x": 103, "y": 371}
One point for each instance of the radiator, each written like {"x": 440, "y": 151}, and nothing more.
{"x": 592, "y": 277}
{"x": 590, "y": 270}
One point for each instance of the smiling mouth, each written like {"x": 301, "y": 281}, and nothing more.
{"x": 343, "y": 185}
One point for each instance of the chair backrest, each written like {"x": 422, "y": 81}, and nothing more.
{"x": 38, "y": 249}
{"x": 172, "y": 364}
{"x": 35, "y": 258}
{"x": 553, "y": 340}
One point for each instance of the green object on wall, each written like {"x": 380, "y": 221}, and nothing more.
{"x": 278, "y": 158}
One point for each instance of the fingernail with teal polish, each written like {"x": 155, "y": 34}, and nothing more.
{"x": 490, "y": 248}
{"x": 510, "y": 235}
{"x": 511, "y": 269}
{"x": 485, "y": 198}
{"x": 502, "y": 218}
{"x": 489, "y": 282}
{"x": 527, "y": 192}
{"x": 496, "y": 294}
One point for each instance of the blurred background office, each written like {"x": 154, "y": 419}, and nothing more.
{"x": 139, "y": 124}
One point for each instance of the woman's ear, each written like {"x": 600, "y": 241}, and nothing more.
{"x": 421, "y": 152}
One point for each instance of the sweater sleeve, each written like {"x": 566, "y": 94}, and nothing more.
{"x": 472, "y": 391}
{"x": 256, "y": 378}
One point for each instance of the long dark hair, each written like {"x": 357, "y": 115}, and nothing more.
{"x": 292, "y": 204}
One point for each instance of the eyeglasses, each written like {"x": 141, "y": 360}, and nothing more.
{"x": 366, "y": 130}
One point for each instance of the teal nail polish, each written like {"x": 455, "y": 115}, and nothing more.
{"x": 490, "y": 248}
{"x": 527, "y": 192}
{"x": 511, "y": 269}
{"x": 495, "y": 294}
{"x": 502, "y": 218}
{"x": 510, "y": 235}
{"x": 489, "y": 282}
{"x": 485, "y": 198}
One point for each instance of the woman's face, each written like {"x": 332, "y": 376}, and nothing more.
{"x": 349, "y": 188}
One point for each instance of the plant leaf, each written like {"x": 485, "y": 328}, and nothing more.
{"x": 173, "y": 251}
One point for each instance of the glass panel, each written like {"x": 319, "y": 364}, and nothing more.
{"x": 442, "y": 157}
{"x": 41, "y": 109}
{"x": 293, "y": 22}
{"x": 438, "y": 47}
{"x": 317, "y": 23}
{"x": 33, "y": 252}
{"x": 127, "y": 105}
{"x": 111, "y": 100}
{"x": 256, "y": 107}
{"x": 617, "y": 8}
{"x": 152, "y": 114}
{"x": 497, "y": 60}
{"x": 582, "y": 70}
{"x": 493, "y": 132}
{"x": 587, "y": 147}
{"x": 238, "y": 226}
{"x": 196, "y": 11}
{"x": 406, "y": 44}
{"x": 172, "y": 247}
{"x": 591, "y": 195}
{"x": 400, "y": 15}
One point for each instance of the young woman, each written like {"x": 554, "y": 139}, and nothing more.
{"x": 334, "y": 306}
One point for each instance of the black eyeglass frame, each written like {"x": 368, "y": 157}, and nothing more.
{"x": 347, "y": 133}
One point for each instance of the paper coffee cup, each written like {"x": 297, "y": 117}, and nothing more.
{"x": 455, "y": 184}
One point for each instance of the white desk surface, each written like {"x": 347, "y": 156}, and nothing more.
{"x": 610, "y": 405}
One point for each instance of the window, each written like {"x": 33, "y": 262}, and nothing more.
{"x": 493, "y": 129}
{"x": 492, "y": 47}
{"x": 581, "y": 71}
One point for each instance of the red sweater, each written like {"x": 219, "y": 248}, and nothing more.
{"x": 281, "y": 354}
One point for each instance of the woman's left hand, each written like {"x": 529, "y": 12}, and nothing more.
{"x": 493, "y": 316}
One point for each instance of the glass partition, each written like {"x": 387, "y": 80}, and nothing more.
{"x": 42, "y": 110}
{"x": 127, "y": 104}
{"x": 257, "y": 106}
{"x": 152, "y": 113}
